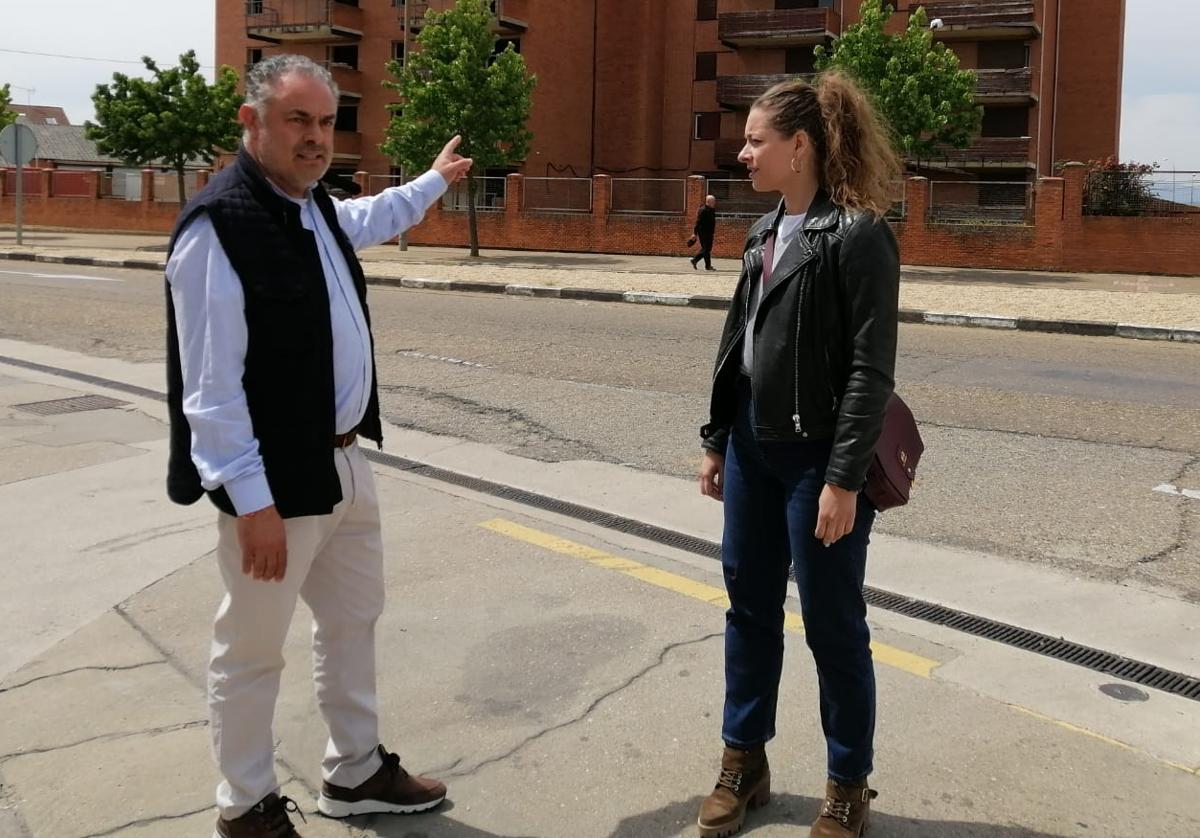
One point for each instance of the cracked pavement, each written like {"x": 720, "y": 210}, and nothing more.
{"x": 557, "y": 698}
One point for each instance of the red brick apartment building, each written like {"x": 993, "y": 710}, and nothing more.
{"x": 660, "y": 88}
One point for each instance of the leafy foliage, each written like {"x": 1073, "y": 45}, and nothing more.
{"x": 173, "y": 117}
{"x": 1115, "y": 188}
{"x": 7, "y": 117}
{"x": 457, "y": 84}
{"x": 916, "y": 83}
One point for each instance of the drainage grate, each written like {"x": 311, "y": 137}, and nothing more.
{"x": 1127, "y": 669}
{"x": 75, "y": 404}
{"x": 1098, "y": 660}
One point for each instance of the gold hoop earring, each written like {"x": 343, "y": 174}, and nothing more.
{"x": 792, "y": 165}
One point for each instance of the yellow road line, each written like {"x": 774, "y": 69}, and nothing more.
{"x": 889, "y": 655}
{"x": 1100, "y": 737}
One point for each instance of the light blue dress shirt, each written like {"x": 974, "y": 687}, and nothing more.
{"x": 211, "y": 321}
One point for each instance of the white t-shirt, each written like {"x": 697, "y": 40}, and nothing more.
{"x": 789, "y": 225}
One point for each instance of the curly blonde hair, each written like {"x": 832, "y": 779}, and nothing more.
{"x": 857, "y": 162}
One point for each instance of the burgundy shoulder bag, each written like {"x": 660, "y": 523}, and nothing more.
{"x": 893, "y": 469}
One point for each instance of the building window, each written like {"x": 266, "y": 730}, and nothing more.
{"x": 1003, "y": 55}
{"x": 1005, "y": 122}
{"x": 254, "y": 7}
{"x": 708, "y": 126}
{"x": 398, "y": 51}
{"x": 347, "y": 118}
{"x": 345, "y": 56}
{"x": 706, "y": 9}
{"x": 706, "y": 66}
{"x": 796, "y": 61}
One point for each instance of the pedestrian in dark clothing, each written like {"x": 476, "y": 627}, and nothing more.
{"x": 703, "y": 232}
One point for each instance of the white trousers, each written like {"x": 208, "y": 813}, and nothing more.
{"x": 335, "y": 562}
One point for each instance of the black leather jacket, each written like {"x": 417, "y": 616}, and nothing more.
{"x": 824, "y": 338}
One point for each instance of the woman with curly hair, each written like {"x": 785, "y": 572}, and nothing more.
{"x": 804, "y": 371}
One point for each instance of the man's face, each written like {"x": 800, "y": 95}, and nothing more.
{"x": 293, "y": 138}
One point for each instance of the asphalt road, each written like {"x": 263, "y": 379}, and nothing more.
{"x": 1050, "y": 449}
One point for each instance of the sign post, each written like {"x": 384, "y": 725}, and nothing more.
{"x": 18, "y": 146}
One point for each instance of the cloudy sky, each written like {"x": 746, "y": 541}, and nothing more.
{"x": 1160, "y": 109}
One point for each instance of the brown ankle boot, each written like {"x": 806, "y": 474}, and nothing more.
{"x": 744, "y": 783}
{"x": 845, "y": 811}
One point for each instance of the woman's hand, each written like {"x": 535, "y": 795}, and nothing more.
{"x": 835, "y": 513}
{"x": 712, "y": 476}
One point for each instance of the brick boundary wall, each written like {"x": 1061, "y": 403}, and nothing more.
{"x": 1060, "y": 237}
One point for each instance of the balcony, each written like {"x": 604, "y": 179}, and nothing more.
{"x": 347, "y": 78}
{"x": 1005, "y": 87}
{"x": 984, "y": 153}
{"x": 978, "y": 21}
{"x": 508, "y": 16}
{"x": 782, "y": 28}
{"x": 739, "y": 92}
{"x": 347, "y": 146}
{"x": 304, "y": 21}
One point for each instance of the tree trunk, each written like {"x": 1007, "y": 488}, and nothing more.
{"x": 182, "y": 187}
{"x": 472, "y": 221}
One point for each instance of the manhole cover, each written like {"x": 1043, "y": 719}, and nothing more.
{"x": 75, "y": 404}
{"x": 1124, "y": 692}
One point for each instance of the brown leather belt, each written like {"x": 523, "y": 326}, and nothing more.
{"x": 343, "y": 440}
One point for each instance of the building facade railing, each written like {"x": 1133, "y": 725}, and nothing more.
{"x": 981, "y": 202}
{"x": 557, "y": 194}
{"x": 778, "y": 27}
{"x": 951, "y": 223}
{"x": 648, "y": 196}
{"x": 490, "y": 194}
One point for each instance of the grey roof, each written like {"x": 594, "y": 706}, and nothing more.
{"x": 68, "y": 144}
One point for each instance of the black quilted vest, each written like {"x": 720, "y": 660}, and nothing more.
{"x": 289, "y": 357}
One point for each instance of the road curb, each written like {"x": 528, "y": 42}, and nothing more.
{"x": 1087, "y": 328}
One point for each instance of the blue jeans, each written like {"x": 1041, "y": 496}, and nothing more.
{"x": 771, "y": 495}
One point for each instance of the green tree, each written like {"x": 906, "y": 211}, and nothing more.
{"x": 7, "y": 117}
{"x": 916, "y": 83}
{"x": 174, "y": 117}
{"x": 457, "y": 84}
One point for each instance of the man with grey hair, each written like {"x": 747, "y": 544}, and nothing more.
{"x": 704, "y": 231}
{"x": 271, "y": 380}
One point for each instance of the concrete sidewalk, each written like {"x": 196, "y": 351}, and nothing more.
{"x": 562, "y": 678}
{"x": 1151, "y": 307}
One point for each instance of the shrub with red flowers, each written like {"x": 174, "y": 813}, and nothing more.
{"x": 1115, "y": 188}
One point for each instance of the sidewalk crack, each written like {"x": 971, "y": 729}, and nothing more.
{"x": 630, "y": 681}
{"x": 147, "y": 822}
{"x": 124, "y": 668}
{"x": 107, "y": 737}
